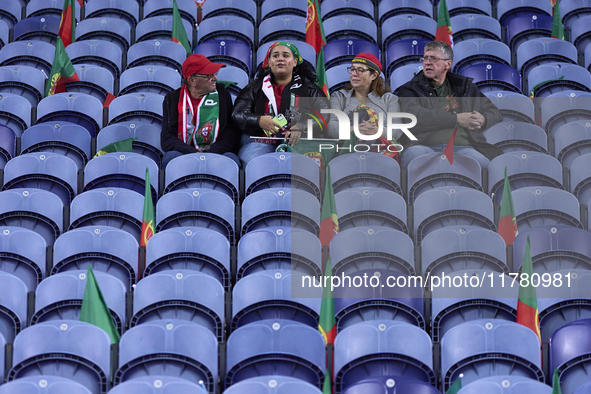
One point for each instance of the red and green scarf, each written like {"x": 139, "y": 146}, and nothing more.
{"x": 206, "y": 117}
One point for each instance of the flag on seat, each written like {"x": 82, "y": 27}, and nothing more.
{"x": 62, "y": 71}
{"x": 443, "y": 32}
{"x": 448, "y": 151}
{"x": 148, "y": 216}
{"x": 527, "y": 304}
{"x": 507, "y": 220}
{"x": 556, "y": 383}
{"x": 455, "y": 386}
{"x": 557, "y": 26}
{"x": 94, "y": 309}
{"x": 315, "y": 37}
{"x": 67, "y": 30}
{"x": 179, "y": 34}
{"x": 117, "y": 146}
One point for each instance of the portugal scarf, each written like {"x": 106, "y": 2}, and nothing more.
{"x": 206, "y": 117}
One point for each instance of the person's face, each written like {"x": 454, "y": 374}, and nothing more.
{"x": 361, "y": 77}
{"x": 202, "y": 84}
{"x": 435, "y": 66}
{"x": 281, "y": 61}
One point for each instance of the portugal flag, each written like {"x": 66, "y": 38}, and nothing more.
{"x": 443, "y": 32}
{"x": 507, "y": 221}
{"x": 329, "y": 223}
{"x": 148, "y": 217}
{"x": 527, "y": 305}
{"x": 557, "y": 26}
{"x": 62, "y": 71}
{"x": 315, "y": 37}
{"x": 67, "y": 31}
{"x": 179, "y": 34}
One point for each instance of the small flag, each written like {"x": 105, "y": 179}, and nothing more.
{"x": 557, "y": 26}
{"x": 455, "y": 386}
{"x": 448, "y": 151}
{"x": 533, "y": 90}
{"x": 315, "y": 37}
{"x": 556, "y": 383}
{"x": 110, "y": 97}
{"x": 94, "y": 309}
{"x": 507, "y": 220}
{"x": 326, "y": 386}
{"x": 118, "y": 146}
{"x": 148, "y": 217}
{"x": 443, "y": 32}
{"x": 62, "y": 71}
{"x": 527, "y": 304}
{"x": 329, "y": 222}
{"x": 67, "y": 30}
{"x": 179, "y": 34}
{"x": 81, "y": 2}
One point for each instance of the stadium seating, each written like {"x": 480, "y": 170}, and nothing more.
{"x": 391, "y": 384}
{"x": 137, "y": 107}
{"x": 460, "y": 7}
{"x": 48, "y": 8}
{"x": 514, "y": 107}
{"x": 551, "y": 78}
{"x": 228, "y": 27}
{"x": 156, "y": 53}
{"x": 37, "y": 54}
{"x": 15, "y": 112}
{"x": 13, "y": 306}
{"x": 38, "y": 28}
{"x": 580, "y": 178}
{"x": 404, "y": 52}
{"x": 11, "y": 13}
{"x": 480, "y": 50}
{"x": 337, "y": 78}
{"x": 114, "y": 30}
{"x": 494, "y": 76}
{"x": 569, "y": 354}
{"x": 572, "y": 140}
{"x": 43, "y": 384}
{"x": 572, "y": 10}
{"x": 24, "y": 81}
{"x": 101, "y": 53}
{"x": 271, "y": 8}
{"x": 509, "y": 8}
{"x": 517, "y": 136}
{"x": 343, "y": 51}
{"x": 187, "y": 9}
{"x": 164, "y": 385}
{"x": 470, "y": 26}
{"x": 273, "y": 384}
{"x": 235, "y": 79}
{"x": 408, "y": 26}
{"x": 128, "y": 11}
{"x": 365, "y": 170}
{"x": 388, "y": 8}
{"x": 93, "y": 80}
{"x": 507, "y": 384}
{"x": 229, "y": 52}
{"x": 331, "y": 8}
{"x": 403, "y": 74}
{"x": 160, "y": 28}
{"x": 564, "y": 107}
{"x": 350, "y": 26}
{"x": 147, "y": 138}
{"x": 580, "y": 33}
{"x": 538, "y": 51}
{"x": 22, "y": 255}
{"x": 79, "y": 108}
{"x": 7, "y": 145}
{"x": 524, "y": 27}
{"x": 245, "y": 9}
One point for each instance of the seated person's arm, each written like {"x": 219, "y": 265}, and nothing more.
{"x": 229, "y": 137}
{"x": 243, "y": 114}
{"x": 169, "y": 140}
{"x": 427, "y": 119}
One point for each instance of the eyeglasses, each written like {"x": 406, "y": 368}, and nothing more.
{"x": 431, "y": 59}
{"x": 208, "y": 76}
{"x": 357, "y": 70}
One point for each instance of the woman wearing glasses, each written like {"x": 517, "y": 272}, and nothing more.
{"x": 368, "y": 95}
{"x": 274, "y": 94}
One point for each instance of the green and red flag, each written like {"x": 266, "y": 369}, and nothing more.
{"x": 179, "y": 34}
{"x": 507, "y": 220}
{"x": 448, "y": 151}
{"x": 118, "y": 146}
{"x": 527, "y": 304}
{"x": 556, "y": 383}
{"x": 327, "y": 385}
{"x": 67, "y": 31}
{"x": 557, "y": 26}
{"x": 315, "y": 37}
{"x": 443, "y": 32}
{"x": 455, "y": 386}
{"x": 329, "y": 221}
{"x": 148, "y": 217}
{"x": 94, "y": 309}
{"x": 62, "y": 71}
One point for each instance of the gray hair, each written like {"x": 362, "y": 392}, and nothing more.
{"x": 442, "y": 47}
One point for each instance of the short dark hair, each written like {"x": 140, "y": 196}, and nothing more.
{"x": 442, "y": 47}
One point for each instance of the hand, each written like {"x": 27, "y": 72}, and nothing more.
{"x": 293, "y": 136}
{"x": 470, "y": 120}
{"x": 481, "y": 118}
{"x": 267, "y": 123}
{"x": 368, "y": 128}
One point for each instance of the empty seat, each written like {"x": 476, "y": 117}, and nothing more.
{"x": 564, "y": 107}
{"x": 106, "y": 249}
{"x": 11, "y": 13}
{"x": 137, "y": 107}
{"x": 391, "y": 384}
{"x": 122, "y": 9}
{"x": 480, "y": 50}
{"x": 404, "y": 52}
{"x": 228, "y": 27}
{"x": 515, "y": 107}
{"x": 244, "y": 9}
{"x": 275, "y": 347}
{"x": 580, "y": 178}
{"x": 229, "y": 52}
{"x": 156, "y": 53}
{"x": 331, "y": 8}
{"x": 524, "y": 27}
{"x": 38, "y": 28}
{"x": 365, "y": 170}
{"x": 234, "y": 78}
{"x": 494, "y": 76}
{"x": 79, "y": 108}
{"x": 146, "y": 138}
{"x": 523, "y": 169}
{"x": 551, "y": 78}
{"x": 388, "y": 8}
{"x": 538, "y": 51}
{"x": 13, "y": 306}
{"x": 337, "y": 78}
{"x": 164, "y": 385}
{"x": 279, "y": 248}
{"x": 343, "y": 51}
{"x": 572, "y": 140}
{"x": 187, "y": 9}
{"x": 43, "y": 384}
{"x": 22, "y": 254}
{"x": 33, "y": 209}
{"x": 569, "y": 354}
{"x": 408, "y": 26}
{"x": 104, "y": 28}
{"x": 48, "y": 8}
{"x": 121, "y": 169}
{"x": 24, "y": 81}
{"x": 403, "y": 74}
{"x": 272, "y": 8}
{"x": 350, "y": 26}
{"x": 180, "y": 295}
{"x": 365, "y": 248}
{"x": 306, "y": 50}
{"x": 68, "y": 348}
{"x": 98, "y": 52}
{"x": 381, "y": 347}
{"x": 160, "y": 28}
{"x": 507, "y": 384}
{"x": 470, "y": 26}
{"x": 572, "y": 10}
{"x": 36, "y": 54}
{"x": 281, "y": 207}
{"x": 59, "y": 297}
{"x": 273, "y": 384}
{"x": 7, "y": 145}
{"x": 580, "y": 33}
{"x": 284, "y": 27}
{"x": 507, "y": 8}
{"x": 15, "y": 112}
{"x": 173, "y": 348}
{"x": 460, "y": 7}
{"x": 93, "y": 80}
{"x": 517, "y": 136}
{"x": 458, "y": 248}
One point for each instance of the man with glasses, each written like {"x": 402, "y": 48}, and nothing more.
{"x": 197, "y": 116}
{"x": 442, "y": 100}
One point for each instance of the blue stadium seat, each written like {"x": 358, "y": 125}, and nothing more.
{"x": 196, "y": 208}
{"x": 79, "y": 108}
{"x": 13, "y": 306}
{"x": 3, "y": 33}
{"x": 11, "y": 13}
{"x": 24, "y": 81}
{"x": 59, "y": 297}
{"x": 489, "y": 347}
{"x": 48, "y": 8}
{"x": 279, "y": 248}
{"x": 553, "y": 248}
{"x": 539, "y": 51}
{"x": 494, "y": 76}
{"x": 470, "y": 26}
{"x": 227, "y": 27}
{"x": 365, "y": 248}
{"x": 128, "y": 11}
{"x": 160, "y": 28}
{"x": 525, "y": 27}
{"x": 588, "y": 57}
{"x": 272, "y": 384}
{"x": 43, "y": 170}
{"x": 480, "y": 50}
{"x": 492, "y": 298}
{"x": 203, "y": 171}
{"x": 365, "y": 170}
{"x": 284, "y": 27}
{"x": 173, "y": 348}
{"x": 377, "y": 348}
{"x": 94, "y": 80}
{"x": 404, "y": 52}
{"x": 68, "y": 348}
{"x": 115, "y": 30}
{"x": 22, "y": 254}
{"x": 15, "y": 112}
{"x": 33, "y": 209}
{"x": 236, "y": 75}
{"x": 107, "y": 249}
{"x": 523, "y": 169}
{"x": 38, "y": 28}
{"x": 156, "y": 53}
{"x": 354, "y": 305}
{"x": 244, "y": 9}
{"x": 306, "y": 50}
{"x": 147, "y": 137}
{"x": 282, "y": 170}
{"x": 271, "y": 8}
{"x": 137, "y": 107}
{"x": 275, "y": 294}
{"x": 187, "y": 9}
{"x": 37, "y": 54}
{"x": 407, "y": 26}
{"x": 343, "y": 51}
{"x": 121, "y": 169}
{"x": 331, "y": 8}
{"x": 389, "y": 8}
{"x": 180, "y": 295}
{"x": 556, "y": 77}
{"x": 507, "y": 384}
{"x": 584, "y": 389}
{"x": 507, "y": 9}
{"x": 7, "y": 145}
{"x": 391, "y": 384}
{"x": 580, "y": 178}
{"x": 98, "y": 52}
{"x": 462, "y": 7}
{"x": 190, "y": 248}
{"x": 275, "y": 347}
{"x": 43, "y": 384}
{"x": 517, "y": 136}
{"x": 281, "y": 207}
{"x": 403, "y": 74}
{"x": 451, "y": 206}
{"x": 350, "y": 26}
{"x": 572, "y": 10}
{"x": 163, "y": 384}
{"x": 572, "y": 140}
{"x": 229, "y": 52}
{"x": 579, "y": 34}
{"x": 569, "y": 351}
{"x": 515, "y": 107}
{"x": 433, "y": 170}
{"x": 564, "y": 107}
{"x": 337, "y": 78}
{"x": 371, "y": 206}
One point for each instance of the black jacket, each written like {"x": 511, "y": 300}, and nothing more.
{"x": 418, "y": 98}
{"x": 228, "y": 137}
